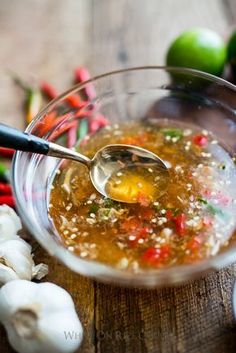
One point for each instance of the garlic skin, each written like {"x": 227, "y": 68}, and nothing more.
{"x": 39, "y": 318}
{"x": 16, "y": 260}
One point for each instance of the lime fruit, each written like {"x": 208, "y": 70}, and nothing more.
{"x": 231, "y": 52}
{"x": 200, "y": 49}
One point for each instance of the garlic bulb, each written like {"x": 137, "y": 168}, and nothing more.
{"x": 10, "y": 223}
{"x": 15, "y": 254}
{"x": 39, "y": 318}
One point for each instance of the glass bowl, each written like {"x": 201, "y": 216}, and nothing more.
{"x": 125, "y": 95}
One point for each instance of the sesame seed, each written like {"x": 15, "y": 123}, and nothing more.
{"x": 150, "y": 170}
{"x": 83, "y": 254}
{"x": 119, "y": 174}
{"x": 132, "y": 237}
{"x": 205, "y": 132}
{"x": 140, "y": 185}
{"x": 71, "y": 248}
{"x": 118, "y": 182}
{"x": 73, "y": 236}
{"x": 187, "y": 132}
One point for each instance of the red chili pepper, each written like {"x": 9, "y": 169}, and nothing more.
{"x": 82, "y": 75}
{"x": 48, "y": 90}
{"x": 143, "y": 199}
{"x": 169, "y": 215}
{"x": 72, "y": 135}
{"x": 146, "y": 213}
{"x": 200, "y": 140}
{"x": 8, "y": 200}
{"x": 74, "y": 101}
{"x": 5, "y": 189}
{"x": 97, "y": 123}
{"x": 207, "y": 221}
{"x": 193, "y": 244}
{"x": 131, "y": 224}
{"x": 6, "y": 152}
{"x": 155, "y": 256}
{"x": 180, "y": 223}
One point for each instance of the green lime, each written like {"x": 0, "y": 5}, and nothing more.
{"x": 200, "y": 49}
{"x": 231, "y": 51}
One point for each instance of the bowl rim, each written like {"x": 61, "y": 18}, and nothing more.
{"x": 95, "y": 269}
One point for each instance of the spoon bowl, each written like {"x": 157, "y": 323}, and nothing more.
{"x": 104, "y": 167}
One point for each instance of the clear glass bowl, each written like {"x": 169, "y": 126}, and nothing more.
{"x": 125, "y": 95}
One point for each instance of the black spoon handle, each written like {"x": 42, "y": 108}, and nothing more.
{"x": 21, "y": 141}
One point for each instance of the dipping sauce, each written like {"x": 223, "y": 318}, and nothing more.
{"x": 190, "y": 219}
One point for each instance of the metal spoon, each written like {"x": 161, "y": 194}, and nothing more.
{"x": 108, "y": 161}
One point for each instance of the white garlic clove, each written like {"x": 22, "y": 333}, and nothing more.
{"x": 6, "y": 274}
{"x": 16, "y": 254}
{"x": 10, "y": 223}
{"x": 39, "y": 318}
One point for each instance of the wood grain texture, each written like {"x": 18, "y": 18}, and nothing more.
{"x": 48, "y": 39}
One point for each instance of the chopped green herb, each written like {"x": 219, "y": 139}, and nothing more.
{"x": 217, "y": 211}
{"x": 108, "y": 203}
{"x": 93, "y": 208}
{"x": 202, "y": 201}
{"x": 172, "y": 133}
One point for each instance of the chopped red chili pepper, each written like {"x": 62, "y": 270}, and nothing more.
{"x": 200, "y": 140}
{"x": 146, "y": 213}
{"x": 131, "y": 224}
{"x": 193, "y": 244}
{"x": 207, "y": 221}
{"x": 8, "y": 200}
{"x": 6, "y": 152}
{"x": 155, "y": 256}
{"x": 169, "y": 215}
{"x": 5, "y": 188}
{"x": 180, "y": 223}
{"x": 143, "y": 199}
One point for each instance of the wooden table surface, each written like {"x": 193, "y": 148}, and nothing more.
{"x": 48, "y": 39}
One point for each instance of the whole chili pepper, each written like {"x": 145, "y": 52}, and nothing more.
{"x": 33, "y": 104}
{"x": 72, "y": 135}
{"x": 48, "y": 90}
{"x": 4, "y": 173}
{"x": 6, "y": 152}
{"x": 5, "y": 189}
{"x": 7, "y": 200}
{"x": 82, "y": 75}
